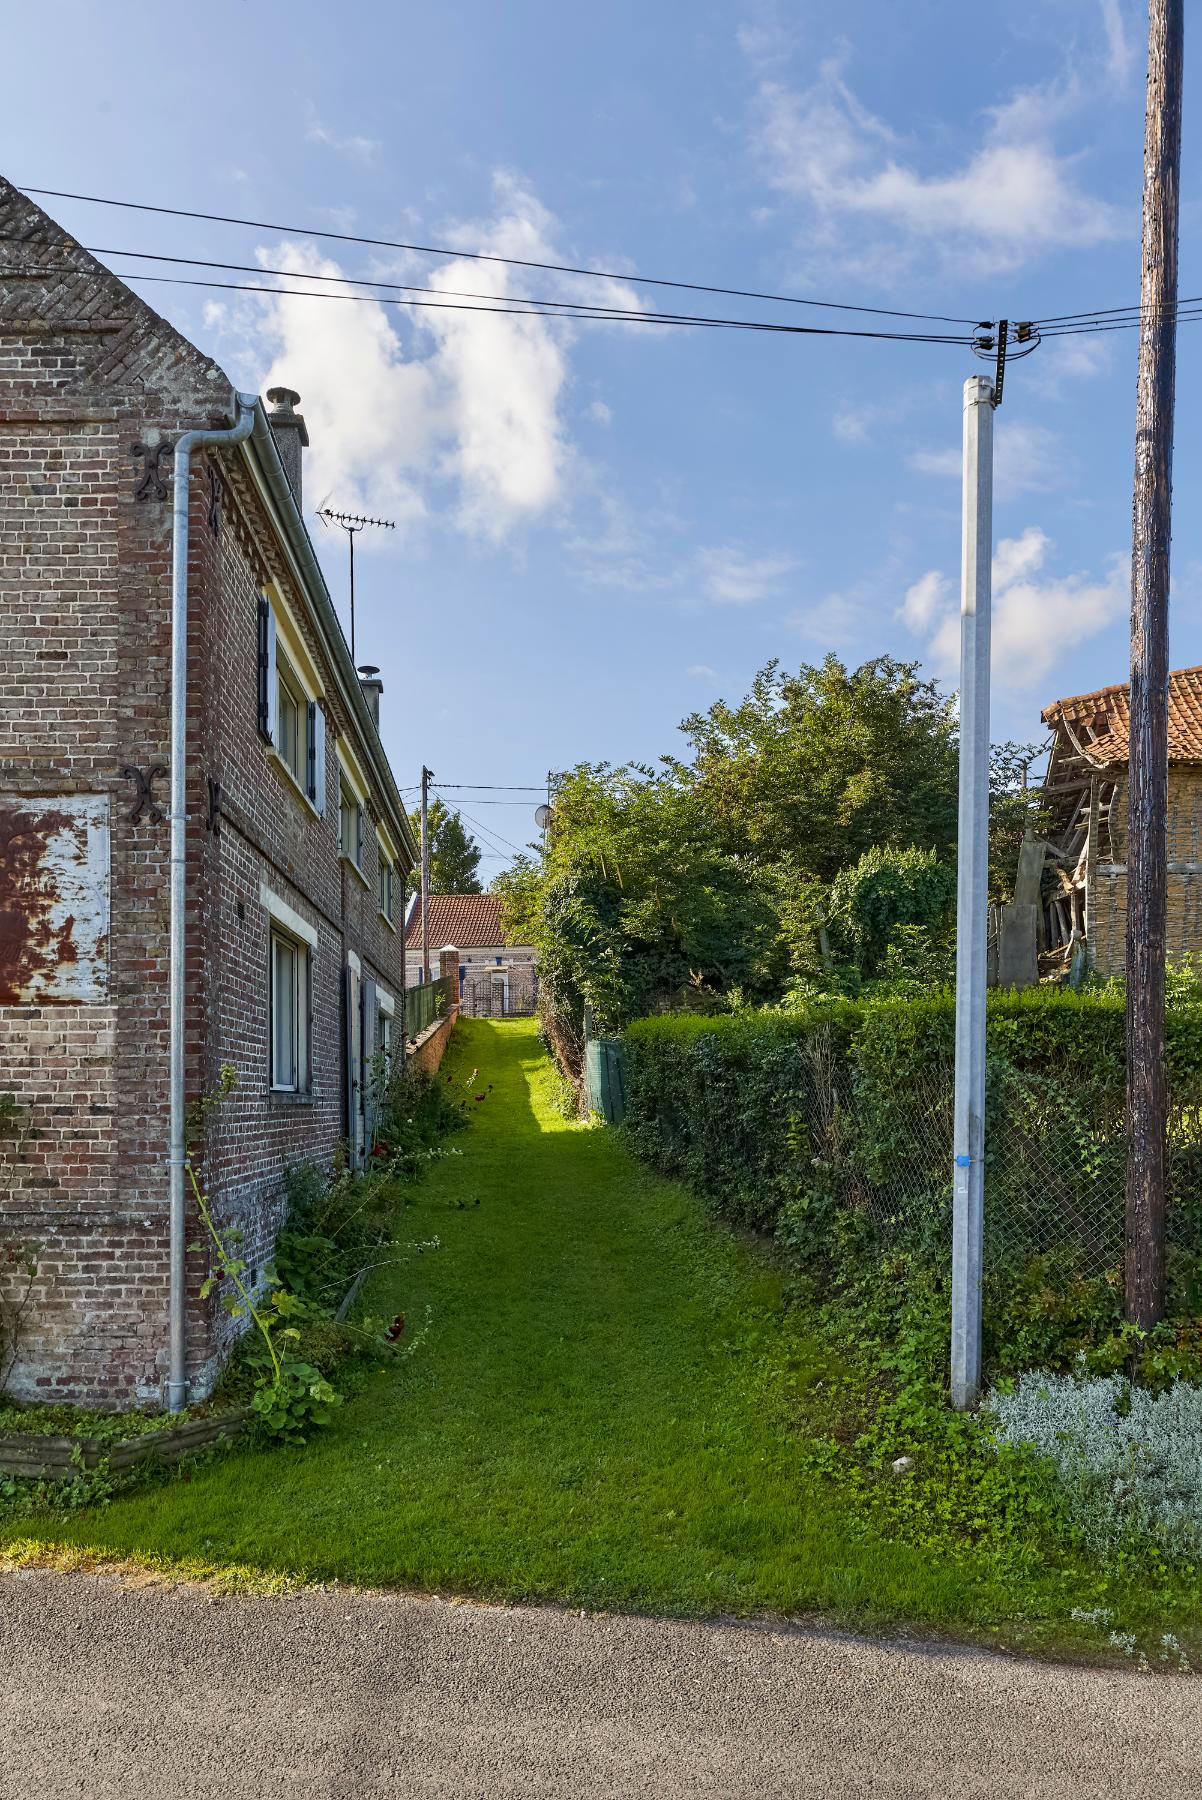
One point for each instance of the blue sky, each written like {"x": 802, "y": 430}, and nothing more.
{"x": 601, "y": 528}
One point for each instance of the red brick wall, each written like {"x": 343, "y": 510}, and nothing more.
{"x": 431, "y": 1046}
{"x": 86, "y": 371}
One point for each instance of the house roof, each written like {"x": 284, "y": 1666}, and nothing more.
{"x": 45, "y": 275}
{"x": 465, "y": 920}
{"x": 1100, "y": 722}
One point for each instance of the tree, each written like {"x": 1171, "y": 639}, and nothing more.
{"x": 635, "y": 908}
{"x": 890, "y": 900}
{"x": 1015, "y": 808}
{"x": 813, "y": 769}
{"x": 454, "y": 853}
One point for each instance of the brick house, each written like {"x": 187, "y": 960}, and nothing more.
{"x": 293, "y": 857}
{"x": 495, "y": 977}
{"x": 1085, "y": 791}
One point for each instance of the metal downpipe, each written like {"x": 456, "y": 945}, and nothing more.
{"x": 177, "y": 1368}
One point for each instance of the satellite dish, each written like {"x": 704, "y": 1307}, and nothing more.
{"x": 542, "y": 817}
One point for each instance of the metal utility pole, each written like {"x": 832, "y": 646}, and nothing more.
{"x": 351, "y": 523}
{"x": 1147, "y": 794}
{"x": 972, "y": 894}
{"x": 426, "y": 777}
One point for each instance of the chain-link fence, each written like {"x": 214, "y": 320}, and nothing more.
{"x": 1055, "y": 1159}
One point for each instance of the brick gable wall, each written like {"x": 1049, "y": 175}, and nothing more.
{"x": 86, "y": 372}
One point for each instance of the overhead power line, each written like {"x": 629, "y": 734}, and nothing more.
{"x": 516, "y": 262}
{"x": 396, "y": 287}
{"x": 1085, "y": 330}
{"x": 491, "y": 834}
{"x": 1103, "y": 312}
{"x": 514, "y": 309}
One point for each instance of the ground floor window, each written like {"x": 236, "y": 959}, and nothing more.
{"x": 291, "y": 1006}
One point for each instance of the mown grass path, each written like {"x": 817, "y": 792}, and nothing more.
{"x": 599, "y": 1414}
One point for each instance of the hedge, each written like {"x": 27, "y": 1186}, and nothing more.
{"x": 849, "y": 1103}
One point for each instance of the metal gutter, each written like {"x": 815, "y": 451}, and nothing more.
{"x": 253, "y": 432}
{"x": 267, "y": 471}
{"x": 177, "y": 1352}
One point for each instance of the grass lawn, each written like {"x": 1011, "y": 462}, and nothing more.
{"x": 605, "y": 1412}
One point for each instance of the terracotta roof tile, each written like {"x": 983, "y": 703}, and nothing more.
{"x": 464, "y": 920}
{"x": 1101, "y": 721}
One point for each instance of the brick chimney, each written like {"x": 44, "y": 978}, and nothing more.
{"x": 373, "y": 687}
{"x": 288, "y": 430}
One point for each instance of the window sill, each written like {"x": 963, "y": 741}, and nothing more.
{"x": 350, "y": 863}
{"x": 385, "y": 920}
{"x": 288, "y": 1097}
{"x": 294, "y": 787}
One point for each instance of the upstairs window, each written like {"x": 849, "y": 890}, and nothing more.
{"x": 385, "y": 884}
{"x": 292, "y": 722}
{"x": 350, "y": 825}
{"x": 292, "y": 717}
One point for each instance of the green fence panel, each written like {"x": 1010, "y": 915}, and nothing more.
{"x": 605, "y": 1078}
{"x": 423, "y": 1004}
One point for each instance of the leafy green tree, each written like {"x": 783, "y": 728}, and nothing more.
{"x": 635, "y": 908}
{"x": 454, "y": 853}
{"x": 813, "y": 769}
{"x": 889, "y": 899}
{"x": 1015, "y": 807}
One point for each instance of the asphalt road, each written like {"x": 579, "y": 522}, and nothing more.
{"x": 108, "y": 1687}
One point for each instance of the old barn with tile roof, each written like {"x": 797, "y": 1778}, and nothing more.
{"x": 1085, "y": 789}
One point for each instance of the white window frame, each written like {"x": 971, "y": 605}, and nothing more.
{"x": 293, "y": 749}
{"x": 350, "y": 806}
{"x": 303, "y": 759}
{"x": 386, "y": 885}
{"x": 281, "y": 944}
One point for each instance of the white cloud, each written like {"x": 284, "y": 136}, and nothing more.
{"x": 1073, "y": 359}
{"x": 927, "y": 597}
{"x": 641, "y": 551}
{"x": 703, "y": 670}
{"x": 731, "y": 577}
{"x": 600, "y": 413}
{"x": 852, "y": 427}
{"x": 767, "y": 38}
{"x": 402, "y": 408}
{"x": 1119, "y": 53}
{"x": 935, "y": 462}
{"x": 1036, "y": 616}
{"x": 363, "y": 149}
{"x": 1009, "y": 201}
{"x": 1026, "y": 459}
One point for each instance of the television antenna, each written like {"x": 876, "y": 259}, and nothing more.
{"x": 352, "y": 523}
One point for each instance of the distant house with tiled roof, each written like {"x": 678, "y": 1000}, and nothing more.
{"x": 496, "y": 977}
{"x": 1086, "y": 792}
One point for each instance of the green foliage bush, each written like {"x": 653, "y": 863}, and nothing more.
{"x": 886, "y": 892}
{"x": 1130, "y": 1461}
{"x": 830, "y": 1125}
{"x": 339, "y": 1225}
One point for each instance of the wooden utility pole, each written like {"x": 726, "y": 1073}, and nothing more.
{"x": 426, "y": 774}
{"x": 1147, "y": 800}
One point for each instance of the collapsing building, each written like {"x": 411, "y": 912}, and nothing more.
{"x": 1084, "y": 883}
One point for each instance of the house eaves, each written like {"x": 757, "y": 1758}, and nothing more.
{"x": 267, "y": 472}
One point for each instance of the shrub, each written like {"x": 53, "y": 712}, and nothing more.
{"x": 831, "y": 1125}
{"x": 1130, "y": 1461}
{"x": 886, "y": 893}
